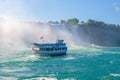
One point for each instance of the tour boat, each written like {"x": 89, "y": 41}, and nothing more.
{"x": 50, "y": 49}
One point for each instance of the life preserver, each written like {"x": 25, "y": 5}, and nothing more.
{"x": 33, "y": 48}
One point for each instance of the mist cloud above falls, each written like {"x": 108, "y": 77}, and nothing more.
{"x": 13, "y": 32}
{"x": 17, "y": 34}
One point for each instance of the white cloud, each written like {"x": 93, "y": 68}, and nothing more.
{"x": 116, "y": 6}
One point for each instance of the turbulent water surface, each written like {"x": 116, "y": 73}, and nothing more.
{"x": 78, "y": 64}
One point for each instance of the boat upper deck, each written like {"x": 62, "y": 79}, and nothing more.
{"x": 59, "y": 43}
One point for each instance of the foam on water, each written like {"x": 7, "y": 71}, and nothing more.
{"x": 69, "y": 58}
{"x": 41, "y": 78}
{"x": 17, "y": 55}
{"x": 8, "y": 78}
{"x": 115, "y": 75}
{"x": 69, "y": 79}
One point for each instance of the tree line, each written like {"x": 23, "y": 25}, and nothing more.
{"x": 90, "y": 22}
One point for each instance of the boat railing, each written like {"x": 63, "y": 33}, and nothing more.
{"x": 36, "y": 44}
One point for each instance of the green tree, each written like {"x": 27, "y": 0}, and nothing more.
{"x": 56, "y": 22}
{"x": 73, "y": 21}
{"x": 62, "y": 21}
{"x": 82, "y": 22}
{"x": 51, "y": 22}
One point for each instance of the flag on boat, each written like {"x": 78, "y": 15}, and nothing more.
{"x": 41, "y": 38}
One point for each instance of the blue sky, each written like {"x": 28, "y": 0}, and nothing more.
{"x": 55, "y": 10}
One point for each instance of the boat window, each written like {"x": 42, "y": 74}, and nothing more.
{"x": 42, "y": 49}
{"x": 59, "y": 48}
{"x": 56, "y": 49}
{"x": 51, "y": 49}
{"x": 47, "y": 49}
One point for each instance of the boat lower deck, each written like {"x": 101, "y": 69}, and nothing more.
{"x": 48, "y": 54}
